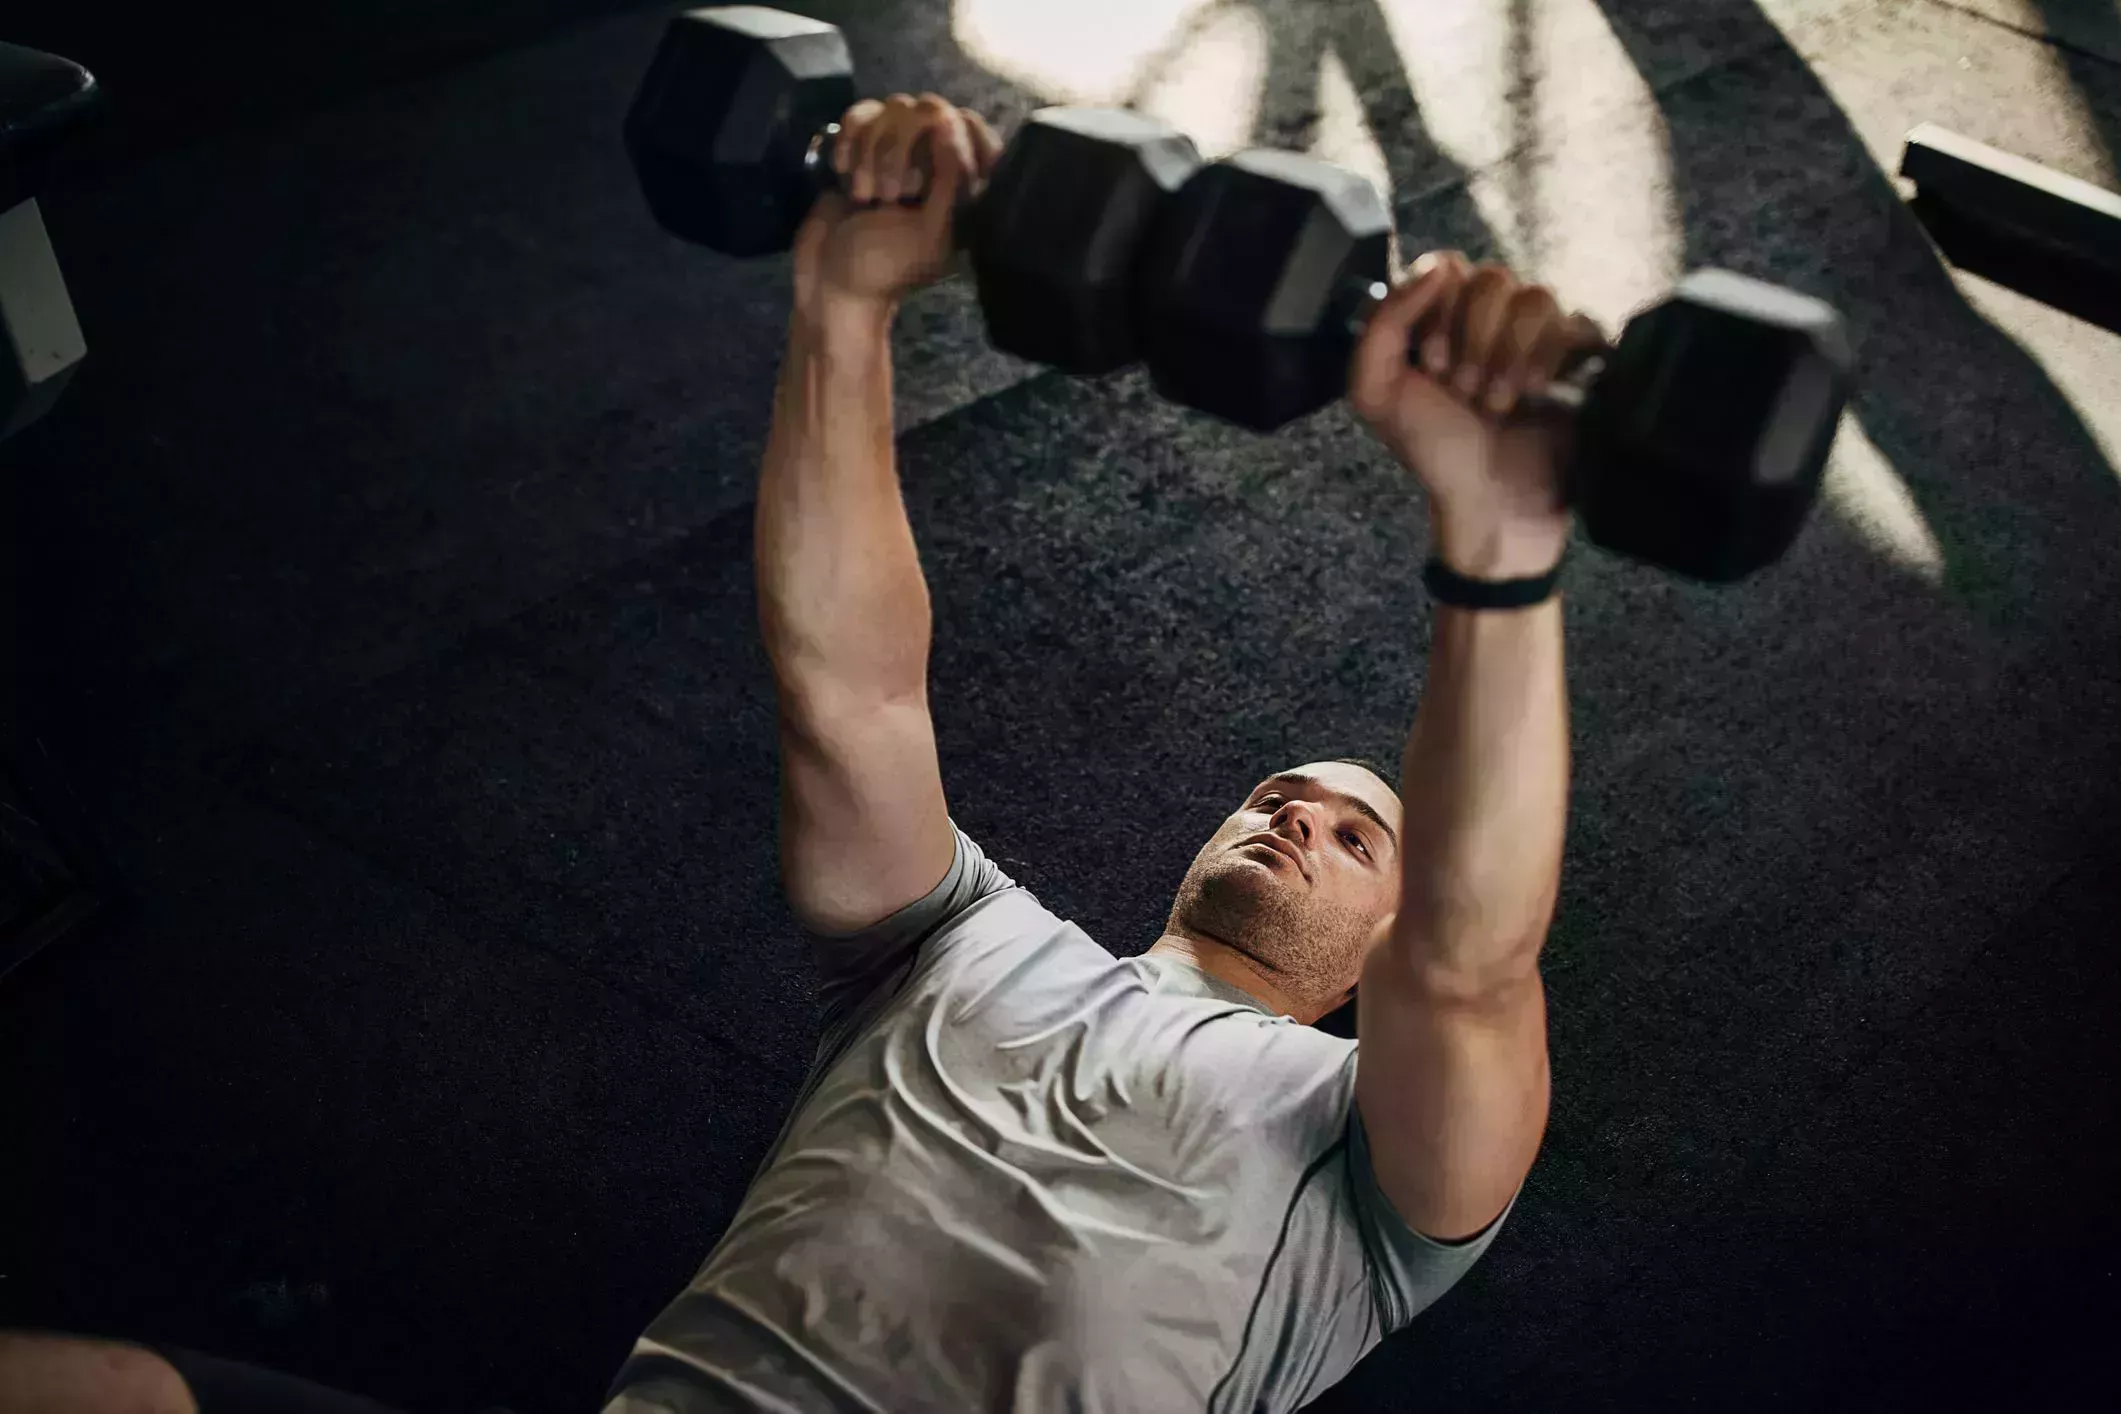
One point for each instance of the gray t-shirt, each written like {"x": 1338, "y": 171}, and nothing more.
{"x": 1024, "y": 1174}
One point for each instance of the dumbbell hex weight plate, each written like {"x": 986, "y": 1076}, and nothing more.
{"x": 1718, "y": 410}
{"x": 1705, "y": 442}
{"x": 1055, "y": 238}
{"x": 1702, "y": 437}
{"x": 40, "y": 339}
{"x": 45, "y": 103}
{"x": 724, "y": 137}
{"x": 724, "y": 116}
{"x": 1246, "y": 272}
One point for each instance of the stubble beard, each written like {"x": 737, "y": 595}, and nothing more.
{"x": 1269, "y": 918}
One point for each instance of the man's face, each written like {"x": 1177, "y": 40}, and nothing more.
{"x": 1309, "y": 911}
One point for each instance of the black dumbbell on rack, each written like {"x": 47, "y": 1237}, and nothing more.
{"x": 729, "y": 136}
{"x": 45, "y": 103}
{"x": 1700, "y": 441}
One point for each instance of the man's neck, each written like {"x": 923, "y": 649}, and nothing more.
{"x": 1226, "y": 964}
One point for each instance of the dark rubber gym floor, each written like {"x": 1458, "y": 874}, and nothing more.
{"x": 379, "y": 644}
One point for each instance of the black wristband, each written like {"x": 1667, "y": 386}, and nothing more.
{"x": 1448, "y": 586}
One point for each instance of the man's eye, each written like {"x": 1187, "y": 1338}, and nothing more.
{"x": 1265, "y": 800}
{"x": 1356, "y": 840}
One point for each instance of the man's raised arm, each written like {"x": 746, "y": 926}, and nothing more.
{"x": 843, "y": 605}
{"x": 1451, "y": 1079}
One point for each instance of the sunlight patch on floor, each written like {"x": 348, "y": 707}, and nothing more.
{"x": 1493, "y": 76}
{"x": 1599, "y": 221}
{"x": 1210, "y": 86}
{"x": 1344, "y": 136}
{"x": 1863, "y": 489}
{"x": 1085, "y": 51}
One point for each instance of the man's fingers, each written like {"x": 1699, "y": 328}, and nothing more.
{"x": 1532, "y": 313}
{"x": 951, "y": 159}
{"x": 986, "y": 143}
{"x": 1483, "y": 309}
{"x": 1585, "y": 340}
{"x": 1477, "y": 331}
{"x": 931, "y": 124}
{"x": 1564, "y": 343}
{"x": 1438, "y": 347}
{"x": 1382, "y": 355}
{"x": 1537, "y": 367}
{"x": 888, "y": 154}
{"x": 888, "y": 149}
{"x": 853, "y": 124}
{"x": 857, "y": 128}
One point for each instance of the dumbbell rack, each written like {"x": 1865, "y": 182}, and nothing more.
{"x": 45, "y": 103}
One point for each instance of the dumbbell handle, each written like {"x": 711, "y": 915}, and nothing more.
{"x": 818, "y": 172}
{"x": 1565, "y": 394}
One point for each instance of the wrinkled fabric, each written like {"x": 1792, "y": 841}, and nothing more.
{"x": 1024, "y": 1174}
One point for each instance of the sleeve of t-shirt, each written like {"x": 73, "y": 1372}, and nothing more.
{"x": 857, "y": 972}
{"x": 1406, "y": 1269}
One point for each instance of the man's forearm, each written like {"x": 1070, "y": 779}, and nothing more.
{"x": 1485, "y": 788}
{"x": 843, "y": 606}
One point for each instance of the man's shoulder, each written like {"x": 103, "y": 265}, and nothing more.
{"x": 1008, "y": 927}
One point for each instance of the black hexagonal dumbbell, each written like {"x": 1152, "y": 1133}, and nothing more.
{"x": 45, "y": 103}
{"x": 729, "y": 136}
{"x": 1699, "y": 443}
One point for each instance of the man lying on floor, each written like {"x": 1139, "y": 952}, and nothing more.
{"x": 1024, "y": 1174}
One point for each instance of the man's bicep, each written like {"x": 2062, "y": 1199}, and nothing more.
{"x": 1453, "y": 1088}
{"x": 864, "y": 827}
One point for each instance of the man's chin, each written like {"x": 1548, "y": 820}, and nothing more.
{"x": 1241, "y": 873}
{"x": 1241, "y": 893}
{"x": 1258, "y": 871}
